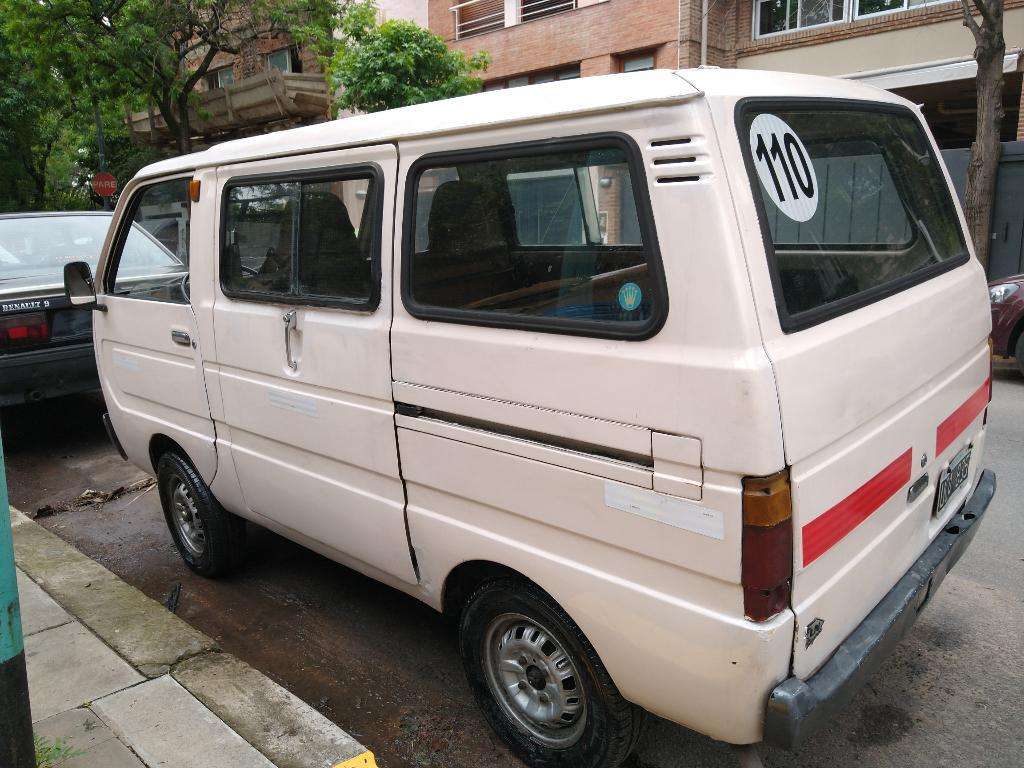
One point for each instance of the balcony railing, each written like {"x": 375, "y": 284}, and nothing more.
{"x": 537, "y": 9}
{"x": 477, "y": 17}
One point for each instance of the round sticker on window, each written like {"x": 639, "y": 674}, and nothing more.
{"x": 785, "y": 170}
{"x": 630, "y": 296}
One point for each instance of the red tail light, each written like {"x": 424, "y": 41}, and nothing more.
{"x": 767, "y": 564}
{"x": 24, "y": 330}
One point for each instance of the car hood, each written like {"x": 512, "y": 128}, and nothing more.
{"x": 1005, "y": 280}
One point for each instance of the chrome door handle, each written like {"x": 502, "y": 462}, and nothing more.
{"x": 181, "y": 337}
{"x": 289, "y": 325}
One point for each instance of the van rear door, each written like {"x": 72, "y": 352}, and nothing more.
{"x": 880, "y": 352}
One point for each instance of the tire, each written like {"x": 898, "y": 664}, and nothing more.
{"x": 209, "y": 539}
{"x": 497, "y": 634}
{"x": 1019, "y": 354}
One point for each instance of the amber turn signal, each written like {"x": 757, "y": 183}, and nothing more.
{"x": 193, "y": 190}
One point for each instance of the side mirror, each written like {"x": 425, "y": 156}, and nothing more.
{"x": 78, "y": 285}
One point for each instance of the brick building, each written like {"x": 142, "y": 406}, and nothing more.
{"x": 917, "y": 48}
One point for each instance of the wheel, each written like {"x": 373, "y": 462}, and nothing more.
{"x": 1019, "y": 353}
{"x": 540, "y": 683}
{"x": 209, "y": 539}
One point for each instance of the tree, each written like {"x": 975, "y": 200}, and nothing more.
{"x": 397, "y": 63}
{"x": 989, "y": 50}
{"x": 35, "y": 106}
{"x": 155, "y": 51}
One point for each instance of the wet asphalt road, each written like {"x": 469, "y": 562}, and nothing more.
{"x": 386, "y": 668}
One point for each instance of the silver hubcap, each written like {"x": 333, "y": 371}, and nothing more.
{"x": 534, "y": 680}
{"x": 187, "y": 520}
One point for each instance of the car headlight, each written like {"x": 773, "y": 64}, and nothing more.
{"x": 997, "y": 294}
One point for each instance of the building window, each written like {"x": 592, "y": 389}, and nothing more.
{"x": 220, "y": 77}
{"x": 572, "y": 72}
{"x": 285, "y": 60}
{"x": 873, "y": 7}
{"x": 637, "y": 62}
{"x": 774, "y": 16}
{"x": 536, "y": 9}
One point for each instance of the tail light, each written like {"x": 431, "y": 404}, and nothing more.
{"x": 23, "y": 330}
{"x": 767, "y": 564}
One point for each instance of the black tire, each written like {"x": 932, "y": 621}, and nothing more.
{"x": 611, "y": 725}
{"x": 1019, "y": 353}
{"x": 223, "y": 533}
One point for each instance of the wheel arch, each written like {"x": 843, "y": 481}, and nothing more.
{"x": 464, "y": 579}
{"x": 159, "y": 444}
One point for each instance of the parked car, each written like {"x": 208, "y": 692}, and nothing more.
{"x": 670, "y": 387}
{"x": 1007, "y": 297}
{"x": 45, "y": 346}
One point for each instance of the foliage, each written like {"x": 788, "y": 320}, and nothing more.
{"x": 53, "y": 754}
{"x": 396, "y": 63}
{"x": 34, "y": 108}
{"x": 154, "y": 51}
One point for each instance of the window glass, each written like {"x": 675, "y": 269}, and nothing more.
{"x": 280, "y": 60}
{"x": 220, "y": 78}
{"x": 853, "y": 199}
{"x": 153, "y": 259}
{"x": 865, "y": 7}
{"x": 552, "y": 235}
{"x": 301, "y": 238}
{"x": 638, "y": 63}
{"x": 34, "y": 249}
{"x": 782, "y": 15}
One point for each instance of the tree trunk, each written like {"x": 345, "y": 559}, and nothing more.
{"x": 979, "y": 194}
{"x": 184, "y": 126}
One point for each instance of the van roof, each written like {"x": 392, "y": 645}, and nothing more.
{"x": 518, "y": 105}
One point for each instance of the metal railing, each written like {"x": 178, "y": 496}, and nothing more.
{"x": 475, "y": 17}
{"x": 537, "y": 9}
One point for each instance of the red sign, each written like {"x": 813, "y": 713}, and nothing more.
{"x": 104, "y": 184}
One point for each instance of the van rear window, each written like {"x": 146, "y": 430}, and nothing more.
{"x": 853, "y": 202}
{"x": 551, "y": 238}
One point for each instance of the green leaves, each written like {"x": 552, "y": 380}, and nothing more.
{"x": 397, "y": 63}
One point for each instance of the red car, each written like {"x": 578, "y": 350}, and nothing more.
{"x": 1007, "y": 297}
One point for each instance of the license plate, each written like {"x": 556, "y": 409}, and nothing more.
{"x": 952, "y": 478}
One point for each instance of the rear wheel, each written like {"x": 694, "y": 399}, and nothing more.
{"x": 1019, "y": 352}
{"x": 209, "y": 539}
{"x": 540, "y": 683}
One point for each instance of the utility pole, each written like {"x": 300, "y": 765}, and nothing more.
{"x": 17, "y": 747}
{"x": 100, "y": 144}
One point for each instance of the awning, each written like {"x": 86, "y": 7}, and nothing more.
{"x": 943, "y": 71}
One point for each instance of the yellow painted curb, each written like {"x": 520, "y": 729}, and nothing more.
{"x": 364, "y": 760}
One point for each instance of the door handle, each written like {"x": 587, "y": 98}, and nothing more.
{"x": 289, "y": 325}
{"x": 181, "y": 337}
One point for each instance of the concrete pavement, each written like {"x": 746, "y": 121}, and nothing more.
{"x": 123, "y": 683}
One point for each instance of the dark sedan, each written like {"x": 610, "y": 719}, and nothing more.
{"x": 1007, "y": 298}
{"x": 45, "y": 345}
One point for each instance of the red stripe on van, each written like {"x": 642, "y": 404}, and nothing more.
{"x": 954, "y": 425}
{"x": 824, "y": 531}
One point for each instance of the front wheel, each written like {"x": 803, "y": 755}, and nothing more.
{"x": 540, "y": 683}
{"x": 209, "y": 539}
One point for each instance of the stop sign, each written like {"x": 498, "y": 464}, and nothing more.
{"x": 104, "y": 184}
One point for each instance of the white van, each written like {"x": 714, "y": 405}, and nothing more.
{"x": 671, "y": 386}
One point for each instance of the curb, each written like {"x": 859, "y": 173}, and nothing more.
{"x": 286, "y": 730}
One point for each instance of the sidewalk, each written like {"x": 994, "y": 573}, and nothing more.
{"x": 124, "y": 683}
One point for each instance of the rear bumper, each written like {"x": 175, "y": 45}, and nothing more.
{"x": 797, "y": 708}
{"x": 44, "y": 373}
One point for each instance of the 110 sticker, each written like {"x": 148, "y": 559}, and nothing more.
{"x": 783, "y": 166}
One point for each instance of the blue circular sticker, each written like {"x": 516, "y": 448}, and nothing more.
{"x": 630, "y": 296}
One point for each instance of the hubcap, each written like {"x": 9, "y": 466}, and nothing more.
{"x": 534, "y": 680}
{"x": 187, "y": 520}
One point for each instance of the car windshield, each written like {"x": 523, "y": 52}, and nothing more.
{"x": 37, "y": 247}
{"x": 854, "y": 201}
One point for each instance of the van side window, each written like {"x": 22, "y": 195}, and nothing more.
{"x": 152, "y": 258}
{"x": 548, "y": 238}
{"x": 301, "y": 240}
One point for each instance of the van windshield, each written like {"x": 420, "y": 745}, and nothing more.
{"x": 854, "y": 203}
